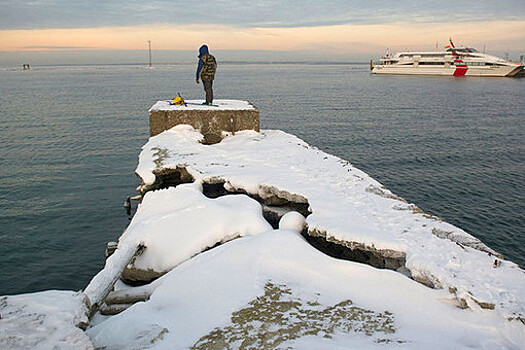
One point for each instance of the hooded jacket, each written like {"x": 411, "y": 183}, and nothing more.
{"x": 202, "y": 51}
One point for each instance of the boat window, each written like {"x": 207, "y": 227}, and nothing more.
{"x": 475, "y": 63}
{"x": 432, "y": 54}
{"x": 462, "y": 49}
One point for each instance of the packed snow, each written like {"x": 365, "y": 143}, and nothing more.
{"x": 348, "y": 207}
{"x": 292, "y": 221}
{"x": 273, "y": 290}
{"x": 43, "y": 320}
{"x": 177, "y": 223}
{"x": 198, "y": 105}
{"x": 100, "y": 285}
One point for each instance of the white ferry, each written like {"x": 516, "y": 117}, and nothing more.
{"x": 456, "y": 61}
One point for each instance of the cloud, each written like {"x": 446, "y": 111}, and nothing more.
{"x": 337, "y": 39}
{"x": 24, "y": 14}
{"x": 44, "y": 47}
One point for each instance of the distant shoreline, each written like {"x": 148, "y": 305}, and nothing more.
{"x": 306, "y": 63}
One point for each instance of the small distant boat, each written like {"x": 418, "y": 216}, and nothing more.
{"x": 456, "y": 61}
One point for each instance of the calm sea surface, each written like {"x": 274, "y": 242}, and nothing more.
{"x": 71, "y": 135}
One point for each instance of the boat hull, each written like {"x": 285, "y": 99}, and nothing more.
{"x": 475, "y": 71}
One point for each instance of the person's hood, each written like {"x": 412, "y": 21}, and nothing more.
{"x": 203, "y": 51}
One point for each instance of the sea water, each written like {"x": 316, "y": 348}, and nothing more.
{"x": 70, "y": 138}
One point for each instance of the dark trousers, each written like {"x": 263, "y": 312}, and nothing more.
{"x": 208, "y": 88}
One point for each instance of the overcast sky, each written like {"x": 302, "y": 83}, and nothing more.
{"x": 347, "y": 27}
{"x": 43, "y": 14}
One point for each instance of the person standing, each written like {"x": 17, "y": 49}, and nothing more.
{"x": 206, "y": 71}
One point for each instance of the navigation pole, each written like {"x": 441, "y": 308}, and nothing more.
{"x": 149, "y": 44}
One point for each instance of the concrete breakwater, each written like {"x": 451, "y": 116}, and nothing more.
{"x": 347, "y": 215}
{"x": 233, "y": 238}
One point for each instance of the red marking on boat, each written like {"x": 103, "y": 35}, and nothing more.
{"x": 461, "y": 68}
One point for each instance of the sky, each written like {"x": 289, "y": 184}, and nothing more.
{"x": 332, "y": 30}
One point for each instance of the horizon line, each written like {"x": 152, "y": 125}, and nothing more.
{"x": 316, "y": 62}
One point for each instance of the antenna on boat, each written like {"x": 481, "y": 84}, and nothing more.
{"x": 452, "y": 47}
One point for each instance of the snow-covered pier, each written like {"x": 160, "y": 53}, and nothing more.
{"x": 263, "y": 241}
{"x": 345, "y": 207}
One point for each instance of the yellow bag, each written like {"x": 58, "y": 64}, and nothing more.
{"x": 177, "y": 101}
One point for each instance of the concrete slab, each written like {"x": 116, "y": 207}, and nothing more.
{"x": 211, "y": 121}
